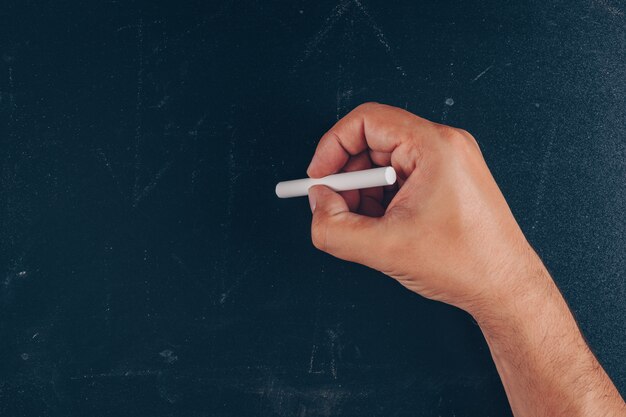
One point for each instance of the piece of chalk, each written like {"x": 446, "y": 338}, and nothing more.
{"x": 355, "y": 180}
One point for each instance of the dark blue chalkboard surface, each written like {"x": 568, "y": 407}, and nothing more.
{"x": 146, "y": 266}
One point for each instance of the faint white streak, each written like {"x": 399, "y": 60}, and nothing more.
{"x": 606, "y": 5}
{"x": 344, "y": 98}
{"x": 380, "y": 36}
{"x": 313, "y": 352}
{"x": 482, "y": 73}
{"x": 138, "y": 108}
{"x": 11, "y": 95}
{"x": 121, "y": 28}
{"x": 344, "y": 92}
{"x": 168, "y": 356}
{"x": 150, "y": 187}
{"x": 126, "y": 374}
{"x": 162, "y": 102}
{"x": 107, "y": 164}
{"x": 199, "y": 123}
{"x": 316, "y": 326}
{"x": 334, "y": 17}
{"x": 14, "y": 272}
{"x": 330, "y": 22}
{"x": 232, "y": 169}
{"x": 333, "y": 356}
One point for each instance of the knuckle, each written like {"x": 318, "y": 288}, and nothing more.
{"x": 319, "y": 230}
{"x": 458, "y": 139}
{"x": 415, "y": 150}
{"x": 449, "y": 133}
{"x": 464, "y": 133}
{"x": 367, "y": 106}
{"x": 470, "y": 138}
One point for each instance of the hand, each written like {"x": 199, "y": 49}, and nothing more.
{"x": 447, "y": 232}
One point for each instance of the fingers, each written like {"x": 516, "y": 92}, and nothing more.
{"x": 372, "y": 126}
{"x": 330, "y": 156}
{"x": 352, "y": 199}
{"x": 355, "y": 163}
{"x": 339, "y": 232}
{"x": 380, "y": 158}
{"x": 367, "y": 201}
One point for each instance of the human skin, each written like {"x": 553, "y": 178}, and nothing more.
{"x": 447, "y": 233}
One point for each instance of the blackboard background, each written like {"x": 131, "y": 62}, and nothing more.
{"x": 146, "y": 267}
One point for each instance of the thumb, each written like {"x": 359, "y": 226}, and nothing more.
{"x": 338, "y": 231}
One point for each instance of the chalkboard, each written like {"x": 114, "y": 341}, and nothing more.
{"x": 147, "y": 267}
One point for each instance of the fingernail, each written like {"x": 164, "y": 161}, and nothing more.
{"x": 312, "y": 201}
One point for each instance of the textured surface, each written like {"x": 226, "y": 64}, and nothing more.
{"x": 148, "y": 269}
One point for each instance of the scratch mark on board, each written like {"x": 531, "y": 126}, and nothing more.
{"x": 168, "y": 356}
{"x": 125, "y": 27}
{"x": 121, "y": 28}
{"x": 316, "y": 326}
{"x": 227, "y": 275}
{"x": 316, "y": 331}
{"x": 240, "y": 277}
{"x": 223, "y": 10}
{"x": 138, "y": 107}
{"x": 162, "y": 102}
{"x": 321, "y": 34}
{"x": 482, "y": 73}
{"x": 232, "y": 168}
{"x": 199, "y": 123}
{"x": 382, "y": 39}
{"x": 150, "y": 187}
{"x": 105, "y": 160}
{"x": 313, "y": 352}
{"x": 11, "y": 95}
{"x": 606, "y": 5}
{"x": 344, "y": 78}
{"x": 333, "y": 357}
{"x": 15, "y": 271}
{"x": 126, "y": 374}
{"x": 344, "y": 94}
{"x": 335, "y": 15}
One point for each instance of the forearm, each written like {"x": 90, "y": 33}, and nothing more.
{"x": 449, "y": 235}
{"x": 543, "y": 360}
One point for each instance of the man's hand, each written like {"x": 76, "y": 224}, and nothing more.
{"x": 446, "y": 232}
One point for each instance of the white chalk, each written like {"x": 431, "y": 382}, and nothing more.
{"x": 355, "y": 180}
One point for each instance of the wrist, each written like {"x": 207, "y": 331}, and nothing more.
{"x": 523, "y": 290}
{"x": 540, "y": 353}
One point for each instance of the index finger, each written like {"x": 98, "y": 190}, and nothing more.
{"x": 372, "y": 126}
